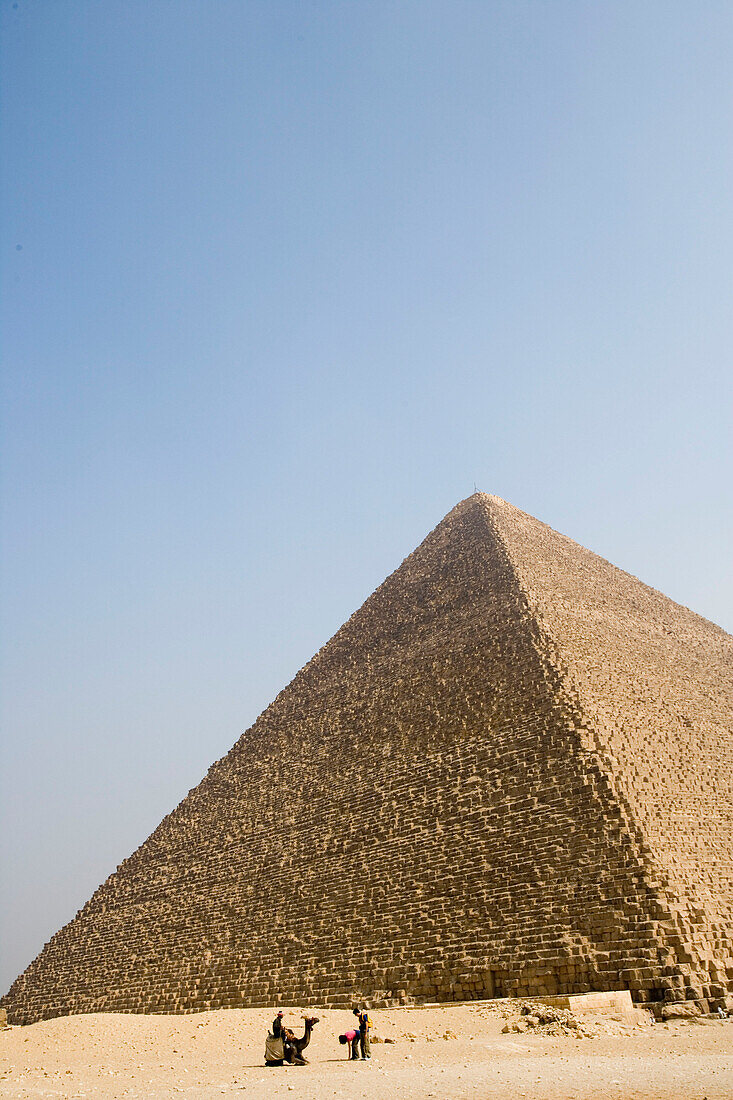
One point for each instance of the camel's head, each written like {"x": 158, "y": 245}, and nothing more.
{"x": 311, "y": 1020}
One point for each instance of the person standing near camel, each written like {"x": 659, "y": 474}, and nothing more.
{"x": 364, "y": 1028}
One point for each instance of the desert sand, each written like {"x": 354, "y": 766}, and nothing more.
{"x": 457, "y": 1051}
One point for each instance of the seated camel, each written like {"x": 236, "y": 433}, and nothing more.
{"x": 289, "y": 1048}
{"x": 297, "y": 1046}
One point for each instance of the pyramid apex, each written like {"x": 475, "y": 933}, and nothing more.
{"x": 479, "y": 498}
{"x": 480, "y": 495}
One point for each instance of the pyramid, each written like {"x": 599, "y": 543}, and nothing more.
{"x": 508, "y": 774}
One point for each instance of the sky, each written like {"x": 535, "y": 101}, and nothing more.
{"x": 282, "y": 282}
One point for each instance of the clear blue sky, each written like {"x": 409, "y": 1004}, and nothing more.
{"x": 282, "y": 281}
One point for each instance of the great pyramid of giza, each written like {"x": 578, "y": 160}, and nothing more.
{"x": 509, "y": 773}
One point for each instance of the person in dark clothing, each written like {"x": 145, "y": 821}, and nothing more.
{"x": 364, "y": 1028}
{"x": 281, "y": 1032}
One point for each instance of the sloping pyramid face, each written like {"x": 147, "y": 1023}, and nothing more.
{"x": 509, "y": 773}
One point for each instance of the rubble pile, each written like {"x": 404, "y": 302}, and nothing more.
{"x": 548, "y": 1020}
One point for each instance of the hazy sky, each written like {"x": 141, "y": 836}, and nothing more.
{"x": 282, "y": 281}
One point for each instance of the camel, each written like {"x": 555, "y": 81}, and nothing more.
{"x": 293, "y": 1052}
{"x": 297, "y": 1046}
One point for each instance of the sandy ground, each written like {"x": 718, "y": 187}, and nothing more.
{"x": 215, "y": 1054}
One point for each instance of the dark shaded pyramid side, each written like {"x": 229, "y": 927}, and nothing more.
{"x": 422, "y": 812}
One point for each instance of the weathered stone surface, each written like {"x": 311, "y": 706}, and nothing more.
{"x": 680, "y": 1011}
{"x": 509, "y": 773}
{"x": 616, "y": 1003}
